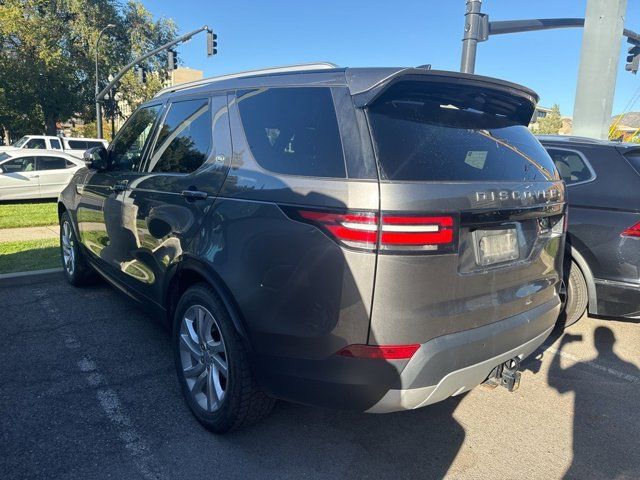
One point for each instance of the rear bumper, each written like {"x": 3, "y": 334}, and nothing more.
{"x": 442, "y": 367}
{"x": 618, "y": 299}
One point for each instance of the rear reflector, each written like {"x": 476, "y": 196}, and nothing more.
{"x": 389, "y": 233}
{"x": 633, "y": 231}
{"x": 381, "y": 352}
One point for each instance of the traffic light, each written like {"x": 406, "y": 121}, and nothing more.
{"x": 172, "y": 59}
{"x": 142, "y": 74}
{"x": 211, "y": 43}
{"x": 633, "y": 56}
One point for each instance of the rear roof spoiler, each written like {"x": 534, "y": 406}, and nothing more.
{"x": 509, "y": 99}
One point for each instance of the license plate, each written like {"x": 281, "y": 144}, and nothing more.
{"x": 496, "y": 246}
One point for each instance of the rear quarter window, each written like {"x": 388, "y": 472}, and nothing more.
{"x": 634, "y": 159}
{"x": 77, "y": 144}
{"x": 293, "y": 131}
{"x": 421, "y": 135}
{"x": 572, "y": 166}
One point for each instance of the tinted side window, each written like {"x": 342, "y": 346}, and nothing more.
{"x": 184, "y": 139}
{"x": 55, "y": 144}
{"x": 51, "y": 163}
{"x": 77, "y": 144}
{"x": 24, "y": 164}
{"x": 36, "y": 143}
{"x": 293, "y": 131}
{"x": 571, "y": 166}
{"x": 126, "y": 149}
{"x": 90, "y": 144}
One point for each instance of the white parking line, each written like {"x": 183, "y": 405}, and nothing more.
{"x": 134, "y": 443}
{"x": 110, "y": 403}
{"x": 594, "y": 365}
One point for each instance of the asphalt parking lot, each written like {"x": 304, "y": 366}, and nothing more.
{"x": 87, "y": 390}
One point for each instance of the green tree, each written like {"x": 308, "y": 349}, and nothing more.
{"x": 551, "y": 123}
{"x": 47, "y": 52}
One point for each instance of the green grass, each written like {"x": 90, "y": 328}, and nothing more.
{"x": 29, "y": 255}
{"x": 15, "y": 215}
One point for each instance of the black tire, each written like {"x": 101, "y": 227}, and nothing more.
{"x": 242, "y": 402}
{"x": 577, "y": 296}
{"x": 78, "y": 272}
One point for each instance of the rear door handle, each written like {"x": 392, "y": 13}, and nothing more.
{"x": 120, "y": 186}
{"x": 194, "y": 194}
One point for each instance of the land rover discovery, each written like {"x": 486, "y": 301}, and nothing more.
{"x": 376, "y": 239}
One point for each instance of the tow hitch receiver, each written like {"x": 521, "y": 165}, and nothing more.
{"x": 506, "y": 375}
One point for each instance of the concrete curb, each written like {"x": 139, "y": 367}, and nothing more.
{"x": 27, "y": 278}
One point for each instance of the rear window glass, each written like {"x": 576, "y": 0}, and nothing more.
{"x": 422, "y": 136}
{"x": 293, "y": 131}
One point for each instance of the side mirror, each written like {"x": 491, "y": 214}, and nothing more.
{"x": 96, "y": 158}
{"x": 1, "y": 171}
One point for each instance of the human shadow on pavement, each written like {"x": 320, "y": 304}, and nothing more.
{"x": 605, "y": 439}
{"x": 421, "y": 443}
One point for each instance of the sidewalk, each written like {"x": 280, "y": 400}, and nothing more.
{"x": 29, "y": 233}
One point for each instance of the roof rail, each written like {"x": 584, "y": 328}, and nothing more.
{"x": 249, "y": 73}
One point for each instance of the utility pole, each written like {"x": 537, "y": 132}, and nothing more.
{"x": 603, "y": 29}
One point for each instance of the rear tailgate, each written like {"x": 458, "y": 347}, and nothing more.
{"x": 472, "y": 208}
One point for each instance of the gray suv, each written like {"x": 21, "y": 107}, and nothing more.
{"x": 602, "y": 258}
{"x": 375, "y": 239}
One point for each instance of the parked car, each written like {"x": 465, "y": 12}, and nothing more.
{"x": 603, "y": 240}
{"x": 376, "y": 239}
{"x": 29, "y": 174}
{"x": 72, "y": 146}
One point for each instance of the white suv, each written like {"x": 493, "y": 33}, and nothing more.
{"x": 73, "y": 146}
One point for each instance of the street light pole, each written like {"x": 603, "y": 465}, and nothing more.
{"x": 98, "y": 110}
{"x": 100, "y": 96}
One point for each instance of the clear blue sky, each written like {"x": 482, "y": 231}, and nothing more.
{"x": 254, "y": 34}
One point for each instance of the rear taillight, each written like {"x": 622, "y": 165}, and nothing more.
{"x": 388, "y": 233}
{"x": 416, "y": 233}
{"x": 380, "y": 352}
{"x": 356, "y": 230}
{"x": 633, "y": 231}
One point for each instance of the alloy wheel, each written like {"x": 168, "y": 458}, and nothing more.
{"x": 203, "y": 358}
{"x": 68, "y": 249}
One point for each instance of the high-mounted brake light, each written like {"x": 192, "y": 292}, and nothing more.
{"x": 380, "y": 352}
{"x": 632, "y": 231}
{"x": 386, "y": 233}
